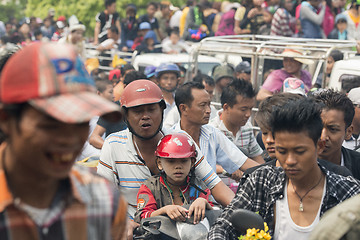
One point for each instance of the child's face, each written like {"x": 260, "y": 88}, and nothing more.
{"x": 341, "y": 26}
{"x": 330, "y": 64}
{"x": 174, "y": 38}
{"x": 268, "y": 141}
{"x": 176, "y": 169}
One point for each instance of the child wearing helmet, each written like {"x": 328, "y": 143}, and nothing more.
{"x": 164, "y": 194}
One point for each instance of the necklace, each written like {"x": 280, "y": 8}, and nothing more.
{"x": 137, "y": 149}
{"x": 301, "y": 206}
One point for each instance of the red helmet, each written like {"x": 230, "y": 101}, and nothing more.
{"x": 141, "y": 92}
{"x": 176, "y": 145}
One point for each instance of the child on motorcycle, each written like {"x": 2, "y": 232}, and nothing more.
{"x": 176, "y": 185}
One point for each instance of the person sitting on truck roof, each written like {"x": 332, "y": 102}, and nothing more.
{"x": 223, "y": 75}
{"x": 292, "y": 68}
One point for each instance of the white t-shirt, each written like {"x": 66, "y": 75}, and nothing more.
{"x": 285, "y": 227}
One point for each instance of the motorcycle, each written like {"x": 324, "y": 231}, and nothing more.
{"x": 163, "y": 228}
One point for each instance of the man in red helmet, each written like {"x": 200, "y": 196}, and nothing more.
{"x": 128, "y": 157}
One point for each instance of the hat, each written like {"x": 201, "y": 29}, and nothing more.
{"x": 243, "y": 67}
{"x": 91, "y": 64}
{"x": 60, "y": 24}
{"x": 339, "y": 17}
{"x": 150, "y": 71}
{"x": 77, "y": 26}
{"x": 222, "y": 71}
{"x": 144, "y": 26}
{"x": 294, "y": 53}
{"x": 294, "y": 85}
{"x": 354, "y": 95}
{"x": 61, "y": 18}
{"x": 54, "y": 80}
{"x": 115, "y": 73}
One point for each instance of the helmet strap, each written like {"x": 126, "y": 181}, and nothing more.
{"x": 141, "y": 137}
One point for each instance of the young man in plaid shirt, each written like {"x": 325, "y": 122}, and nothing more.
{"x": 291, "y": 199}
{"x": 47, "y": 99}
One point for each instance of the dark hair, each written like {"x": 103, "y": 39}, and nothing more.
{"x": 296, "y": 116}
{"x": 349, "y": 82}
{"x": 175, "y": 31}
{"x": 6, "y": 53}
{"x": 155, "y": 4}
{"x": 263, "y": 116}
{"x": 114, "y": 29}
{"x": 183, "y": 93}
{"x": 125, "y": 68}
{"x": 37, "y": 32}
{"x": 132, "y": 76}
{"x": 101, "y": 84}
{"x": 109, "y": 2}
{"x": 336, "y": 55}
{"x": 332, "y": 100}
{"x": 237, "y": 87}
{"x": 203, "y": 77}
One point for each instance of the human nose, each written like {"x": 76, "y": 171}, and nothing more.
{"x": 248, "y": 113}
{"x": 324, "y": 135}
{"x": 290, "y": 159}
{"x": 269, "y": 138}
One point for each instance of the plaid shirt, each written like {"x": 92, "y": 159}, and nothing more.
{"x": 263, "y": 187}
{"x": 92, "y": 209}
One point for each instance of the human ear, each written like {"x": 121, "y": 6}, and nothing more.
{"x": 158, "y": 164}
{"x": 320, "y": 146}
{"x": 182, "y": 108}
{"x": 348, "y": 132}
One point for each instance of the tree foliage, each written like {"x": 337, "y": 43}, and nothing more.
{"x": 85, "y": 10}
{"x": 12, "y": 9}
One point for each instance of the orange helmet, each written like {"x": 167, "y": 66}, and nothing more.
{"x": 141, "y": 92}
{"x": 176, "y": 145}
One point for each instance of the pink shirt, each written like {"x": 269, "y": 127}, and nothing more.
{"x": 276, "y": 78}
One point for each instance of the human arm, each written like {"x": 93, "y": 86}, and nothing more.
{"x": 239, "y": 16}
{"x": 307, "y": 13}
{"x": 96, "y": 139}
{"x": 118, "y": 26}
{"x": 262, "y": 94}
{"x": 259, "y": 159}
{"x": 97, "y": 29}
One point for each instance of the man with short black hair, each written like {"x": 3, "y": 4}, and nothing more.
{"x": 354, "y": 141}
{"x": 237, "y": 100}
{"x": 291, "y": 199}
{"x": 193, "y": 103}
{"x": 337, "y": 115}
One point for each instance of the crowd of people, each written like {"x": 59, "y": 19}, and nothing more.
{"x": 155, "y": 140}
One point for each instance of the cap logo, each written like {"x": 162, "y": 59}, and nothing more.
{"x": 141, "y": 90}
{"x": 177, "y": 141}
{"x": 62, "y": 65}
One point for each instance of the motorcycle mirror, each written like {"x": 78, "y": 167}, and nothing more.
{"x": 243, "y": 219}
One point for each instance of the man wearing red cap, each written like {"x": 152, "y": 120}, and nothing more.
{"x": 45, "y": 111}
{"x": 128, "y": 157}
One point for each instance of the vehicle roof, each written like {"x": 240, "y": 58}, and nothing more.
{"x": 155, "y": 59}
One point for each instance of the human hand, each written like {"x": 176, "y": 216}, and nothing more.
{"x": 253, "y": 12}
{"x": 237, "y": 175}
{"x": 198, "y": 208}
{"x": 358, "y": 47}
{"x": 176, "y": 212}
{"x": 124, "y": 49}
{"x": 130, "y": 231}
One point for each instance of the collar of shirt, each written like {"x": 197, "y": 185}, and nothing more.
{"x": 75, "y": 178}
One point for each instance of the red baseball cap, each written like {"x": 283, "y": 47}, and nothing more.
{"x": 52, "y": 78}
